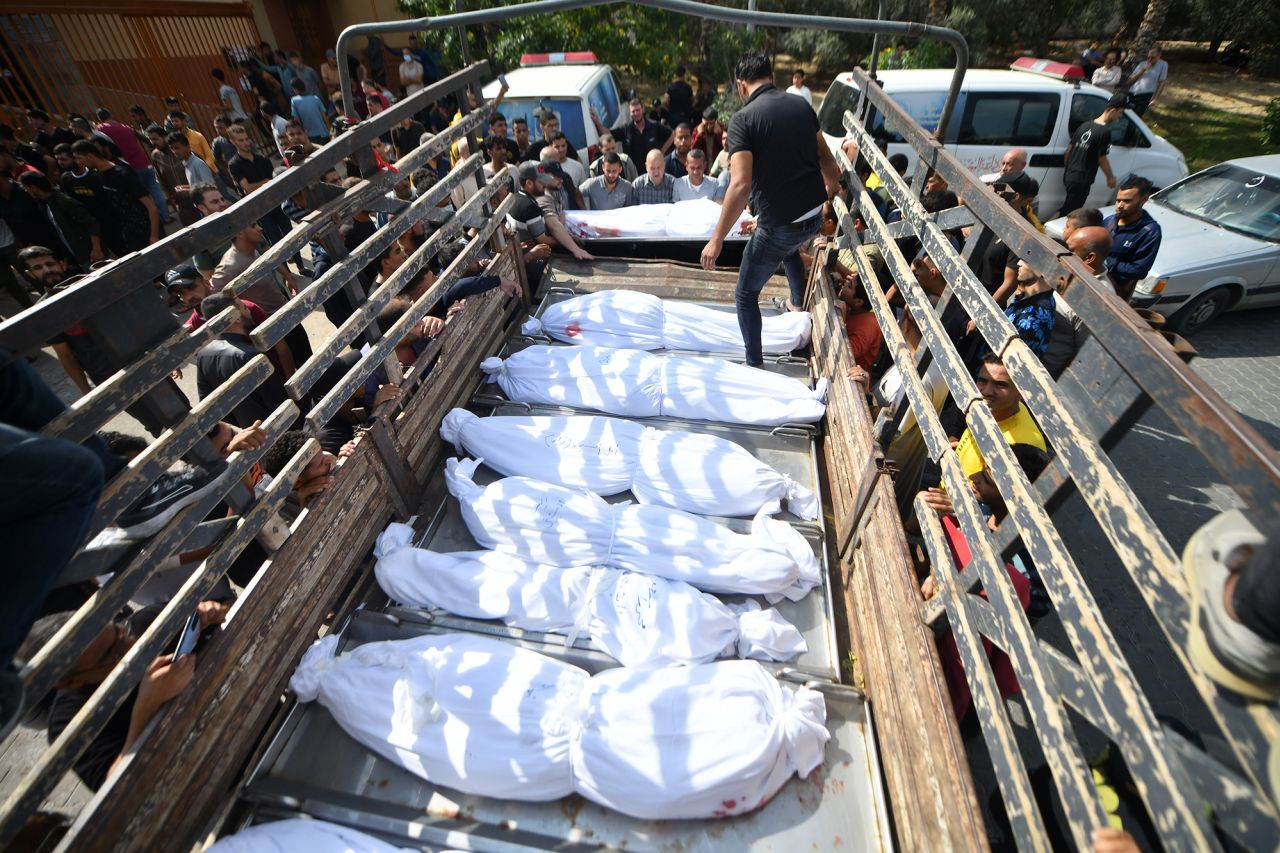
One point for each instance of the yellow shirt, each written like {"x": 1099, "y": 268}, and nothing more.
{"x": 1019, "y": 428}
{"x": 200, "y": 146}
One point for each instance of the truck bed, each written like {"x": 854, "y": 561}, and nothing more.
{"x": 312, "y": 767}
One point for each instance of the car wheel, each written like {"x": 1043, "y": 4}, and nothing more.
{"x": 1201, "y": 311}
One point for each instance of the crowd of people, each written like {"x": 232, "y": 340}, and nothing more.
{"x": 1114, "y": 69}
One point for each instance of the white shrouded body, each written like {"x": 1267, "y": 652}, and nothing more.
{"x": 697, "y": 473}
{"x": 639, "y": 620}
{"x": 637, "y": 384}
{"x": 545, "y": 523}
{"x": 490, "y": 719}
{"x": 631, "y": 320}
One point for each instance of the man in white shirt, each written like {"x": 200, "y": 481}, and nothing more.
{"x": 1147, "y": 81}
{"x": 411, "y": 72}
{"x": 696, "y": 184}
{"x": 798, "y": 87}
{"x": 496, "y": 147}
{"x": 198, "y": 171}
{"x": 577, "y": 172}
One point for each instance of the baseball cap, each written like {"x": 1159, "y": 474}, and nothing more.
{"x": 331, "y": 53}
{"x": 531, "y": 171}
{"x": 183, "y": 276}
{"x": 1020, "y": 182}
{"x": 554, "y": 169}
{"x": 1118, "y": 102}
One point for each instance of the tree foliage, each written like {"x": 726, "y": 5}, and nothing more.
{"x": 645, "y": 44}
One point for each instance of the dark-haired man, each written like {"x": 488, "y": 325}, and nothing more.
{"x": 498, "y": 128}
{"x": 48, "y": 135}
{"x": 133, "y": 220}
{"x": 1135, "y": 235}
{"x": 778, "y": 157}
{"x": 610, "y": 190}
{"x": 679, "y": 99}
{"x": 641, "y": 135}
{"x": 222, "y": 357}
{"x": 228, "y": 96}
{"x": 1087, "y": 152}
{"x": 681, "y": 142}
{"x": 77, "y": 228}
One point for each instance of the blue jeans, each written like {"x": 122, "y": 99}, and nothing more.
{"x": 49, "y": 490}
{"x": 152, "y": 186}
{"x": 770, "y": 246}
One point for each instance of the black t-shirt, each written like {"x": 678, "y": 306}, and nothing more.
{"x": 781, "y": 132}
{"x": 527, "y": 214}
{"x": 405, "y": 139}
{"x": 638, "y": 142}
{"x": 1090, "y": 144}
{"x": 124, "y": 191}
{"x": 252, "y": 169}
{"x": 996, "y": 258}
{"x": 60, "y": 136}
{"x": 679, "y": 101}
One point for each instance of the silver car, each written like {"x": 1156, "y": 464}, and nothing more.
{"x": 1220, "y": 243}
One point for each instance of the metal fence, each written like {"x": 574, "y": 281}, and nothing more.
{"x": 120, "y": 306}
{"x": 67, "y": 57}
{"x": 1126, "y": 366}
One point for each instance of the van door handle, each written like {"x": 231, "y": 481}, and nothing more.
{"x": 1047, "y": 161}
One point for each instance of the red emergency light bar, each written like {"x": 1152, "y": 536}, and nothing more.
{"x": 1048, "y": 68}
{"x": 572, "y": 57}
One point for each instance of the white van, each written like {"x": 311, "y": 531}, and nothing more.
{"x": 568, "y": 84}
{"x": 1020, "y": 108}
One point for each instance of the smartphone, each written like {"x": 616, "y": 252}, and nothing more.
{"x": 502, "y": 80}
{"x": 189, "y": 637}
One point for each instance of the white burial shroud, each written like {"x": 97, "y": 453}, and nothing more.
{"x": 697, "y": 473}
{"x": 639, "y": 620}
{"x": 631, "y": 320}
{"x": 491, "y": 719}
{"x": 637, "y": 384}
{"x": 545, "y": 523}
{"x": 301, "y": 834}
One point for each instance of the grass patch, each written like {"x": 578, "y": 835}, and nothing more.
{"x": 1206, "y": 136}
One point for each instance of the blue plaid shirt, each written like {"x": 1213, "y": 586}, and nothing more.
{"x": 647, "y": 192}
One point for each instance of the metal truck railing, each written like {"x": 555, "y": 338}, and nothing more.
{"x": 1120, "y": 372}
{"x": 122, "y": 310}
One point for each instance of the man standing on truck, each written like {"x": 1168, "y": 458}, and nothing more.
{"x": 1086, "y": 153}
{"x": 777, "y": 156}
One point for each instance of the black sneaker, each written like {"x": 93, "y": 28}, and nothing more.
{"x": 162, "y": 500}
{"x": 12, "y": 701}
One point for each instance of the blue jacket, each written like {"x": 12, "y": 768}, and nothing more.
{"x": 1134, "y": 248}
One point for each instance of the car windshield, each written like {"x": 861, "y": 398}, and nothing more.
{"x": 924, "y": 107}
{"x": 1231, "y": 196}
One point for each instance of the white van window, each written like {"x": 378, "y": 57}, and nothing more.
{"x": 1124, "y": 133}
{"x": 1009, "y": 118}
{"x": 924, "y": 107}
{"x": 604, "y": 97}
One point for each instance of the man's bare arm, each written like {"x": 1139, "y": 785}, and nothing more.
{"x": 735, "y": 201}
